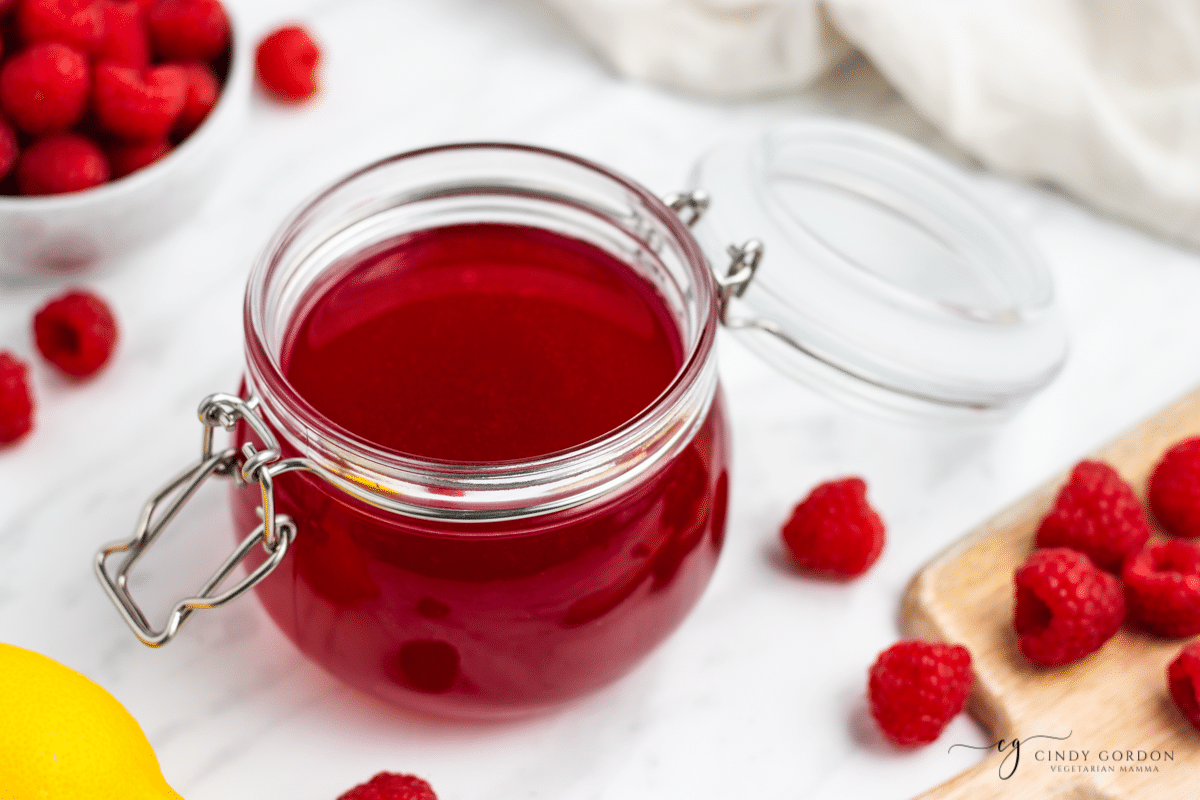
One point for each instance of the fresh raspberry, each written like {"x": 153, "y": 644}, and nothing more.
{"x": 76, "y": 332}
{"x": 390, "y": 786}
{"x": 8, "y": 148}
{"x": 125, "y": 38}
{"x": 139, "y": 105}
{"x": 834, "y": 531}
{"x": 201, "y": 95}
{"x": 127, "y": 158}
{"x": 917, "y": 687}
{"x": 44, "y": 88}
{"x": 79, "y": 23}
{"x": 58, "y": 164}
{"x": 287, "y": 63}
{"x": 1066, "y": 607}
{"x": 1096, "y": 513}
{"x": 188, "y": 30}
{"x": 16, "y": 403}
{"x": 1174, "y": 490}
{"x": 1183, "y": 680}
{"x": 1162, "y": 589}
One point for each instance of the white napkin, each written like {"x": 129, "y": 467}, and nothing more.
{"x": 1101, "y": 97}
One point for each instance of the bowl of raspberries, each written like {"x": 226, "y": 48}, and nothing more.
{"x": 114, "y": 115}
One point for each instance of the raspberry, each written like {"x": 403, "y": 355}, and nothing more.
{"x": 390, "y": 786}
{"x": 62, "y": 163}
{"x": 287, "y": 63}
{"x": 139, "y": 105}
{"x": 16, "y": 404}
{"x": 200, "y": 97}
{"x": 75, "y": 332}
{"x": 1066, "y": 608}
{"x": 834, "y": 531}
{"x": 79, "y": 23}
{"x": 1174, "y": 491}
{"x": 1096, "y": 513}
{"x": 916, "y": 688}
{"x": 44, "y": 88}
{"x": 1183, "y": 680}
{"x": 188, "y": 30}
{"x": 127, "y": 158}
{"x": 8, "y": 148}
{"x": 1162, "y": 589}
{"x": 125, "y": 39}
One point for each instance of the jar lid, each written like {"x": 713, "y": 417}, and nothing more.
{"x": 885, "y": 279}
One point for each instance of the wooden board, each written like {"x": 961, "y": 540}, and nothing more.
{"x": 1114, "y": 701}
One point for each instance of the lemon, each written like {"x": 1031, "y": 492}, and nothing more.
{"x": 62, "y": 737}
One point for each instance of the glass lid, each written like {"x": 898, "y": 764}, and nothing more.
{"x": 885, "y": 280}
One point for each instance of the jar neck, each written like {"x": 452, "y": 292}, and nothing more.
{"x": 449, "y": 185}
{"x": 494, "y": 491}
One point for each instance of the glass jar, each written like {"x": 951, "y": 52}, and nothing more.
{"x": 477, "y": 589}
{"x": 498, "y": 587}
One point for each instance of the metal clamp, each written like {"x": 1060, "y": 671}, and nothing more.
{"x": 744, "y": 261}
{"x": 695, "y": 203}
{"x": 690, "y": 206}
{"x": 250, "y": 466}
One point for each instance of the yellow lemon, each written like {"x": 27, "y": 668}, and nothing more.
{"x": 62, "y": 737}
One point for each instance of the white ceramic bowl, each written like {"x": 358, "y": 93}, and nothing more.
{"x": 41, "y": 237}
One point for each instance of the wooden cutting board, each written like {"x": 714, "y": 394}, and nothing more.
{"x": 1113, "y": 702}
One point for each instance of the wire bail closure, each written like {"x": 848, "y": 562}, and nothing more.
{"x": 249, "y": 466}
{"x": 744, "y": 259}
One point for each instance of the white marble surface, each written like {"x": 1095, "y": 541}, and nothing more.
{"x": 761, "y": 692}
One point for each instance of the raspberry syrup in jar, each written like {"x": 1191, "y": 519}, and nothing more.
{"x": 496, "y": 362}
{"x": 481, "y": 419}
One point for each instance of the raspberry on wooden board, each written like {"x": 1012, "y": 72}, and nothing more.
{"x": 1162, "y": 588}
{"x": 915, "y": 688}
{"x": 1183, "y": 682}
{"x": 1066, "y": 607}
{"x": 1096, "y": 513}
{"x": 834, "y": 531}
{"x": 391, "y": 786}
{"x": 1174, "y": 489}
{"x": 16, "y": 401}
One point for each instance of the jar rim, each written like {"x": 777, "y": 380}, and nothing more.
{"x": 434, "y": 488}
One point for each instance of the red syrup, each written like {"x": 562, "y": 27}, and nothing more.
{"x": 483, "y": 343}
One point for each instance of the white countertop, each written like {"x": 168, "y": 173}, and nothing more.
{"x": 761, "y": 693}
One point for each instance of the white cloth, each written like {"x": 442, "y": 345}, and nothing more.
{"x": 1101, "y": 97}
